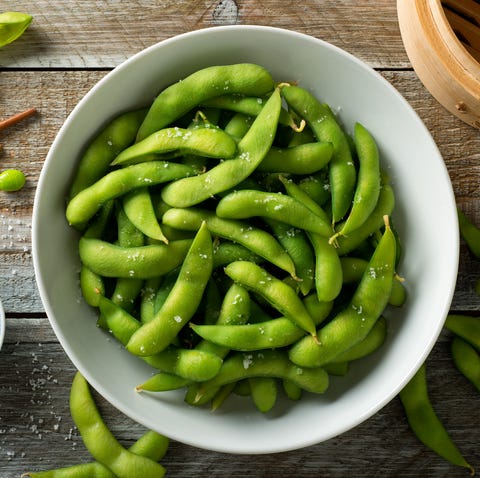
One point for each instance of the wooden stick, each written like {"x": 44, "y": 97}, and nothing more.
{"x": 17, "y": 118}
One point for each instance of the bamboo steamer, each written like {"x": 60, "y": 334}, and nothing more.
{"x": 442, "y": 41}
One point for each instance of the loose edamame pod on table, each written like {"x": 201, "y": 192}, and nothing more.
{"x": 100, "y": 442}
{"x": 425, "y": 423}
{"x": 467, "y": 360}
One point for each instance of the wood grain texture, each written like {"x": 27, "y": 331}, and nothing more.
{"x": 69, "y": 47}
{"x": 92, "y": 34}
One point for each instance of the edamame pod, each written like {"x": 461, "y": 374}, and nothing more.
{"x": 144, "y": 262}
{"x": 205, "y": 142}
{"x": 156, "y": 335}
{"x": 424, "y": 421}
{"x": 467, "y": 360}
{"x": 276, "y": 292}
{"x": 113, "y": 138}
{"x": 88, "y": 201}
{"x": 267, "y": 363}
{"x": 465, "y": 326}
{"x": 251, "y": 150}
{"x": 470, "y": 233}
{"x": 326, "y": 128}
{"x": 352, "y": 324}
{"x": 182, "y": 96}
{"x": 280, "y": 207}
{"x": 255, "y": 239}
{"x": 99, "y": 440}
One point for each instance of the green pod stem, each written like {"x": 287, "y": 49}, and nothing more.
{"x": 470, "y": 233}
{"x": 144, "y": 262}
{"x": 279, "y": 294}
{"x": 251, "y": 150}
{"x": 353, "y": 323}
{"x": 368, "y": 181}
{"x": 249, "y": 203}
{"x": 182, "y": 96}
{"x": 113, "y": 138}
{"x": 150, "y": 445}
{"x": 186, "y": 363}
{"x": 199, "y": 141}
{"x": 467, "y": 360}
{"x": 227, "y": 251}
{"x": 267, "y": 363}
{"x": 82, "y": 207}
{"x": 253, "y": 238}
{"x": 326, "y": 128}
{"x": 192, "y": 280}
{"x": 305, "y": 158}
{"x": 100, "y": 442}
{"x": 296, "y": 244}
{"x": 465, "y": 326}
{"x": 384, "y": 207}
{"x": 425, "y": 423}
{"x": 139, "y": 209}
{"x": 264, "y": 392}
{"x": 269, "y": 334}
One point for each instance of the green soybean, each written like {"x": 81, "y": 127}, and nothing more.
{"x": 200, "y": 141}
{"x": 424, "y": 421}
{"x": 192, "y": 280}
{"x": 264, "y": 392}
{"x": 117, "y": 135}
{"x": 12, "y": 180}
{"x": 469, "y": 232}
{"x": 467, "y": 360}
{"x": 251, "y": 150}
{"x": 99, "y": 440}
{"x": 182, "y": 96}
{"x": 82, "y": 207}
{"x": 465, "y": 326}
{"x": 12, "y": 26}
{"x": 353, "y": 323}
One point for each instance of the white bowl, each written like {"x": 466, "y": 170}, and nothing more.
{"x": 425, "y": 216}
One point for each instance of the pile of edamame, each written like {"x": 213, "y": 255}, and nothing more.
{"x": 236, "y": 238}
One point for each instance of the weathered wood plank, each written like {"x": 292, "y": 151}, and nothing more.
{"x": 92, "y": 34}
{"x": 36, "y": 430}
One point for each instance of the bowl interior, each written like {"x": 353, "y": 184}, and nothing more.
{"x": 426, "y": 221}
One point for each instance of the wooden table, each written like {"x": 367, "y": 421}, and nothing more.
{"x": 67, "y": 49}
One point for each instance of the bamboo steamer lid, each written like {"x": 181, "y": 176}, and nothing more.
{"x": 442, "y": 42}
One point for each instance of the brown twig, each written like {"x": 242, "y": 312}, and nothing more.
{"x": 17, "y": 118}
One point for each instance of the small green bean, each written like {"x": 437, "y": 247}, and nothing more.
{"x": 424, "y": 421}
{"x": 12, "y": 180}
{"x": 182, "y": 96}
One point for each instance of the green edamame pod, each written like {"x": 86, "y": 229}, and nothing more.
{"x": 326, "y": 128}
{"x": 292, "y": 390}
{"x": 144, "y": 262}
{"x": 12, "y": 26}
{"x": 204, "y": 142}
{"x": 302, "y": 159}
{"x": 317, "y": 187}
{"x": 251, "y": 150}
{"x": 276, "y": 292}
{"x": 368, "y": 181}
{"x": 280, "y": 207}
{"x": 467, "y": 360}
{"x": 353, "y": 323}
{"x": 238, "y": 125}
{"x": 470, "y": 233}
{"x": 182, "y": 96}
{"x": 296, "y": 243}
{"x": 263, "y": 392}
{"x": 465, "y": 326}
{"x": 113, "y": 138}
{"x": 267, "y": 363}
{"x": 424, "y": 421}
{"x": 227, "y": 251}
{"x": 255, "y": 239}
{"x": 192, "y": 280}
{"x": 92, "y": 286}
{"x": 88, "y": 201}
{"x": 139, "y": 209}
{"x": 99, "y": 440}
{"x": 163, "y": 382}
{"x": 12, "y": 180}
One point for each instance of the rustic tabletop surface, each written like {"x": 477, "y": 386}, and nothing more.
{"x": 68, "y": 48}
